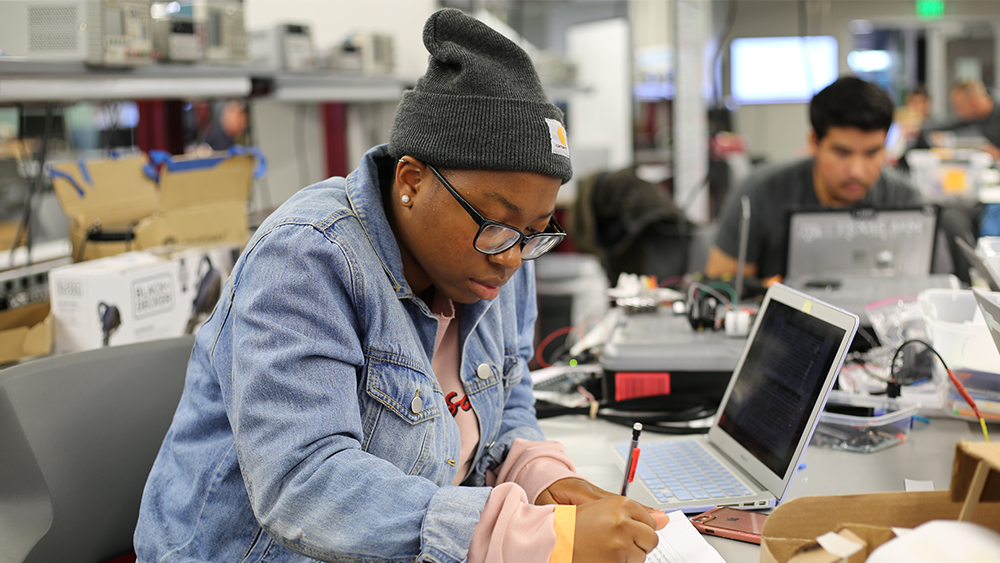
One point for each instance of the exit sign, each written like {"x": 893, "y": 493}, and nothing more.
{"x": 930, "y": 9}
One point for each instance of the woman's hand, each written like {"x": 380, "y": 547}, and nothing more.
{"x": 613, "y": 528}
{"x": 572, "y": 490}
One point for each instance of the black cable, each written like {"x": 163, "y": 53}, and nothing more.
{"x": 867, "y": 336}
{"x": 892, "y": 381}
{"x": 262, "y": 182}
{"x": 300, "y": 124}
{"x": 727, "y": 26}
{"x": 657, "y": 422}
{"x": 892, "y": 366}
{"x": 693, "y": 194}
{"x": 864, "y": 367}
{"x": 803, "y": 18}
{"x": 558, "y": 353}
{"x": 24, "y": 228}
{"x": 804, "y": 43}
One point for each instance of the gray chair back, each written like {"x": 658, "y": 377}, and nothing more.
{"x": 78, "y": 436}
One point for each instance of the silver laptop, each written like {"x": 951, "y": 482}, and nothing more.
{"x": 991, "y": 312}
{"x": 863, "y": 241}
{"x": 985, "y": 269}
{"x": 767, "y": 416}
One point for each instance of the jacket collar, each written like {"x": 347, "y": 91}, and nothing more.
{"x": 365, "y": 198}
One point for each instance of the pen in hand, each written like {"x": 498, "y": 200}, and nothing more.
{"x": 633, "y": 458}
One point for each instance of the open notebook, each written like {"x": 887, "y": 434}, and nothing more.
{"x": 767, "y": 415}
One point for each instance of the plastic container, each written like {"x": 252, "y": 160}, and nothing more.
{"x": 888, "y": 424}
{"x": 989, "y": 249}
{"x": 957, "y": 330}
{"x": 944, "y": 174}
{"x": 984, "y": 388}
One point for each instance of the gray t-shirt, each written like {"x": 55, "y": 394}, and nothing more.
{"x": 991, "y": 125}
{"x": 988, "y": 127}
{"x": 774, "y": 192}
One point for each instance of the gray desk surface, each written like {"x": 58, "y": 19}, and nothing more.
{"x": 663, "y": 341}
{"x": 926, "y": 456}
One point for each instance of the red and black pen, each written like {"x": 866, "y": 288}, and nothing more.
{"x": 633, "y": 457}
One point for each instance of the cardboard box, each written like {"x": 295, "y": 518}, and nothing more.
{"x": 131, "y": 203}
{"x": 8, "y": 230}
{"x": 137, "y": 296}
{"x": 25, "y": 331}
{"x": 974, "y": 496}
{"x": 201, "y": 273}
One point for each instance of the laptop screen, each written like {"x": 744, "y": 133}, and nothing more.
{"x": 779, "y": 383}
{"x": 862, "y": 241}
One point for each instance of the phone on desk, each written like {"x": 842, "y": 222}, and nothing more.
{"x": 732, "y": 523}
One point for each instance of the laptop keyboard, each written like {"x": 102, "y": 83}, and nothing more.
{"x": 682, "y": 470}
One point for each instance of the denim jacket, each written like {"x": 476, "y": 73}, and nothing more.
{"x": 311, "y": 424}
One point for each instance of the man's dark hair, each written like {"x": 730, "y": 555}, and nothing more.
{"x": 850, "y": 102}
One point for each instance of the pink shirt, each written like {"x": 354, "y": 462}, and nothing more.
{"x": 511, "y": 527}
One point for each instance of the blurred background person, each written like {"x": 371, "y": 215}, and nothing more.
{"x": 907, "y": 122}
{"x": 973, "y": 105}
{"x": 229, "y": 127}
{"x": 974, "y": 122}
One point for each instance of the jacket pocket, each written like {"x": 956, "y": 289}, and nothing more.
{"x": 513, "y": 370}
{"x": 401, "y": 414}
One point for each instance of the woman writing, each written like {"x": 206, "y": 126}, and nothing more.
{"x": 361, "y": 391}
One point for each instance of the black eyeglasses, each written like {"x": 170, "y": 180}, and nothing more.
{"x": 495, "y": 237}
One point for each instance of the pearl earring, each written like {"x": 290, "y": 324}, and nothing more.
{"x": 406, "y": 199}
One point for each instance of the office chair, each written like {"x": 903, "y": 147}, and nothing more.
{"x": 78, "y": 436}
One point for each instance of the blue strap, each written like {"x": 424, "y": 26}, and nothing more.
{"x": 84, "y": 172}
{"x": 261, "y": 167}
{"x": 53, "y": 173}
{"x": 156, "y": 158}
{"x": 159, "y": 158}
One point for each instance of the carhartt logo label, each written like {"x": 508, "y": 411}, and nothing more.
{"x": 557, "y": 133}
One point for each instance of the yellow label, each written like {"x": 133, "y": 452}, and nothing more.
{"x": 807, "y": 307}
{"x": 953, "y": 180}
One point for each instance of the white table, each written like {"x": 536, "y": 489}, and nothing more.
{"x": 926, "y": 456}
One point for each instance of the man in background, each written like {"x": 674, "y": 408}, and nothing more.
{"x": 973, "y": 105}
{"x": 975, "y": 115}
{"x": 909, "y": 120}
{"x": 850, "y": 119}
{"x": 229, "y": 126}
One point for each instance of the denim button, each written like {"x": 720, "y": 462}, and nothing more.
{"x": 417, "y": 404}
{"x": 483, "y": 371}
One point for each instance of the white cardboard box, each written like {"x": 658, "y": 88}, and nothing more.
{"x": 136, "y": 296}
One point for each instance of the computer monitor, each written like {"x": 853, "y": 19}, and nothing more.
{"x": 781, "y": 70}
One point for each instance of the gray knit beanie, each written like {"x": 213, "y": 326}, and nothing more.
{"x": 480, "y": 105}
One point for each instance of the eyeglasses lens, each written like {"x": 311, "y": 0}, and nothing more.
{"x": 494, "y": 239}
{"x": 538, "y": 246}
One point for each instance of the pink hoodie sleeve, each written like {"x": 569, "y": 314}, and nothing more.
{"x": 535, "y": 466}
{"x": 511, "y": 528}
